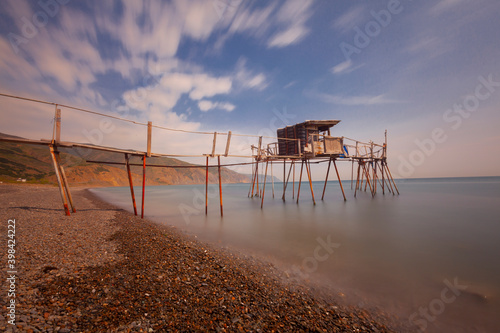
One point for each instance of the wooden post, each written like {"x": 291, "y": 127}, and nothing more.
{"x": 58, "y": 125}
{"x": 228, "y": 143}
{"x": 220, "y": 187}
{"x": 300, "y": 180}
{"x": 285, "y": 185}
{"x": 213, "y": 147}
{"x": 284, "y": 179}
{"x": 206, "y": 189}
{"x": 59, "y": 180}
{"x": 293, "y": 179}
{"x": 65, "y": 182}
{"x": 264, "y": 186}
{"x": 390, "y": 175}
{"x": 308, "y": 169}
{"x": 272, "y": 177}
{"x": 338, "y": 177}
{"x": 368, "y": 180}
{"x": 357, "y": 179}
{"x": 143, "y": 184}
{"x": 131, "y": 183}
{"x": 326, "y": 178}
{"x": 150, "y": 131}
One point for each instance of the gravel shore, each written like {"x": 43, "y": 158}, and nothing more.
{"x": 103, "y": 269}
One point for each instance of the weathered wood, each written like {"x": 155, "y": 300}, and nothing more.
{"x": 59, "y": 180}
{"x": 58, "y": 125}
{"x": 150, "y": 132}
{"x": 206, "y": 189}
{"x": 214, "y": 144}
{"x": 338, "y": 177}
{"x": 220, "y": 187}
{"x": 300, "y": 180}
{"x": 143, "y": 184}
{"x": 308, "y": 169}
{"x": 228, "y": 142}
{"x": 65, "y": 182}
{"x": 326, "y": 178}
{"x": 131, "y": 183}
{"x": 264, "y": 186}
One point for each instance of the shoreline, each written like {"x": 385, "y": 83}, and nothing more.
{"x": 104, "y": 269}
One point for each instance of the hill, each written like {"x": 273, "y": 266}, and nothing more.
{"x": 33, "y": 163}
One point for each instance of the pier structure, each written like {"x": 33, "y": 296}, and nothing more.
{"x": 312, "y": 142}
{"x": 306, "y": 143}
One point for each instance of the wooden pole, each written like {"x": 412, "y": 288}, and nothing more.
{"x": 206, "y": 189}
{"x": 143, "y": 184}
{"x": 390, "y": 175}
{"x": 368, "y": 180}
{"x": 308, "y": 169}
{"x": 326, "y": 178}
{"x": 300, "y": 180}
{"x": 287, "y": 180}
{"x": 59, "y": 180}
{"x": 220, "y": 187}
{"x": 131, "y": 183}
{"x": 65, "y": 182}
{"x": 284, "y": 180}
{"x": 213, "y": 147}
{"x": 338, "y": 177}
{"x": 228, "y": 143}
{"x": 264, "y": 186}
{"x": 58, "y": 125}
{"x": 150, "y": 132}
{"x": 357, "y": 179}
{"x": 352, "y": 172}
{"x": 272, "y": 177}
{"x": 293, "y": 179}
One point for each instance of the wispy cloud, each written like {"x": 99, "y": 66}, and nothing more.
{"x": 293, "y": 16}
{"x": 206, "y": 105}
{"x": 345, "y": 67}
{"x": 347, "y": 21}
{"x": 353, "y": 100}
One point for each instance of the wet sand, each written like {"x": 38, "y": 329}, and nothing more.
{"x": 103, "y": 269}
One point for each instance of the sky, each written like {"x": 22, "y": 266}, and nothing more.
{"x": 428, "y": 72}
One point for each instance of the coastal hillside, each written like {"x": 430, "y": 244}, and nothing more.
{"x": 33, "y": 163}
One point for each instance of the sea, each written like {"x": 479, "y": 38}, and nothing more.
{"x": 430, "y": 255}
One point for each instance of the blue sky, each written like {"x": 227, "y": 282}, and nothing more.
{"x": 428, "y": 72}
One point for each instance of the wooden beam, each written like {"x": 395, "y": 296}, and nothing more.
{"x": 228, "y": 142}
{"x": 338, "y": 177}
{"x": 150, "y": 131}
{"x": 220, "y": 187}
{"x": 143, "y": 184}
{"x": 59, "y": 180}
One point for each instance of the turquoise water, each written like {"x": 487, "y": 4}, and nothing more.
{"x": 430, "y": 255}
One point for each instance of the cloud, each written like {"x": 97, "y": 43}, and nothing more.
{"x": 206, "y": 105}
{"x": 347, "y": 21}
{"x": 444, "y": 5}
{"x": 293, "y": 16}
{"x": 353, "y": 100}
{"x": 345, "y": 67}
{"x": 248, "y": 79}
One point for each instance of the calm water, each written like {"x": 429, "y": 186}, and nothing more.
{"x": 431, "y": 254}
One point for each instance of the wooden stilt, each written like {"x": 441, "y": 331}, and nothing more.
{"x": 287, "y": 180}
{"x": 326, "y": 178}
{"x": 257, "y": 178}
{"x": 338, "y": 177}
{"x": 143, "y": 184}
{"x": 390, "y": 175}
{"x": 284, "y": 180}
{"x": 387, "y": 179}
{"x": 220, "y": 187}
{"x": 293, "y": 181}
{"x": 308, "y": 170}
{"x": 264, "y": 186}
{"x": 206, "y": 189}
{"x": 65, "y": 182}
{"x": 368, "y": 181}
{"x": 254, "y": 178}
{"x": 352, "y": 172}
{"x": 357, "y": 178}
{"x": 59, "y": 180}
{"x": 272, "y": 177}
{"x": 131, "y": 183}
{"x": 300, "y": 180}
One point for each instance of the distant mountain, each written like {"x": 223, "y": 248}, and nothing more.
{"x": 33, "y": 163}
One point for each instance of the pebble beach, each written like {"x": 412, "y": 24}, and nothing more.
{"x": 105, "y": 270}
